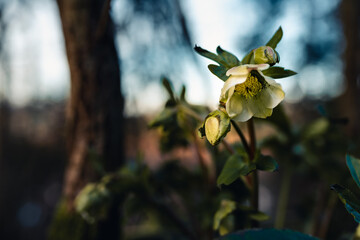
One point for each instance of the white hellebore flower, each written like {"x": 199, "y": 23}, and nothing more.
{"x": 248, "y": 92}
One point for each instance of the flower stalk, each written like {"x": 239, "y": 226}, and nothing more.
{"x": 254, "y": 174}
{"x": 242, "y": 137}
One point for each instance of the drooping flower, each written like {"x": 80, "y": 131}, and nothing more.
{"x": 248, "y": 92}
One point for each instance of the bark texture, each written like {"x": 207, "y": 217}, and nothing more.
{"x": 94, "y": 111}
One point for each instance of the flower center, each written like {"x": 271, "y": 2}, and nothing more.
{"x": 252, "y": 86}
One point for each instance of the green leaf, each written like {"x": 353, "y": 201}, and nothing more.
{"x": 316, "y": 128}
{"x": 226, "y": 207}
{"x": 92, "y": 202}
{"x": 354, "y": 167}
{"x": 225, "y": 59}
{"x": 259, "y": 216}
{"x": 273, "y": 42}
{"x": 165, "y": 117}
{"x": 235, "y": 166}
{"x": 266, "y": 163}
{"x": 166, "y": 83}
{"x": 183, "y": 93}
{"x": 253, "y": 214}
{"x": 210, "y": 55}
{"x": 278, "y": 72}
{"x": 256, "y": 234}
{"x": 351, "y": 202}
{"x": 247, "y": 59}
{"x": 219, "y": 71}
{"x": 230, "y": 59}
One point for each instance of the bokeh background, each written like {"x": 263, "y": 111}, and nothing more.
{"x": 154, "y": 39}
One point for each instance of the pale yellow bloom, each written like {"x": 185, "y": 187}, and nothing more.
{"x": 248, "y": 92}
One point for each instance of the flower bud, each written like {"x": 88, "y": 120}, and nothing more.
{"x": 215, "y": 126}
{"x": 266, "y": 54}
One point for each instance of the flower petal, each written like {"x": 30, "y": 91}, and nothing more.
{"x": 231, "y": 82}
{"x": 234, "y": 105}
{"x": 271, "y": 96}
{"x": 237, "y": 108}
{"x": 259, "y": 109}
{"x": 258, "y": 67}
{"x": 277, "y": 95}
{"x": 245, "y": 69}
{"x": 245, "y": 115}
{"x": 236, "y": 71}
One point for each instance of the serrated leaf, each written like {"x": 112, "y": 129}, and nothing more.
{"x": 354, "y": 167}
{"x": 273, "y": 42}
{"x": 230, "y": 59}
{"x": 351, "y": 202}
{"x": 266, "y": 163}
{"x": 234, "y": 167}
{"x": 247, "y": 59}
{"x": 278, "y": 72}
{"x": 210, "y": 55}
{"x": 219, "y": 71}
{"x": 226, "y": 207}
{"x": 255, "y": 234}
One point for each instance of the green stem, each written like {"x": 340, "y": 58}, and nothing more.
{"x": 255, "y": 190}
{"x": 252, "y": 138}
{"x": 254, "y": 175}
{"x": 283, "y": 198}
{"x": 242, "y": 137}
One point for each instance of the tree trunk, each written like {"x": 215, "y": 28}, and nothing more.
{"x": 349, "y": 101}
{"x": 94, "y": 111}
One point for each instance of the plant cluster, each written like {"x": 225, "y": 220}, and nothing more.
{"x": 221, "y": 199}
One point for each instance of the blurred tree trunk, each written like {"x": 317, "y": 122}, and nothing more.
{"x": 94, "y": 111}
{"x": 349, "y": 101}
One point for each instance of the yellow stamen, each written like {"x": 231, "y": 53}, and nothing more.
{"x": 250, "y": 88}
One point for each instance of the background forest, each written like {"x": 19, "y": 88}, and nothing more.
{"x": 80, "y": 81}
